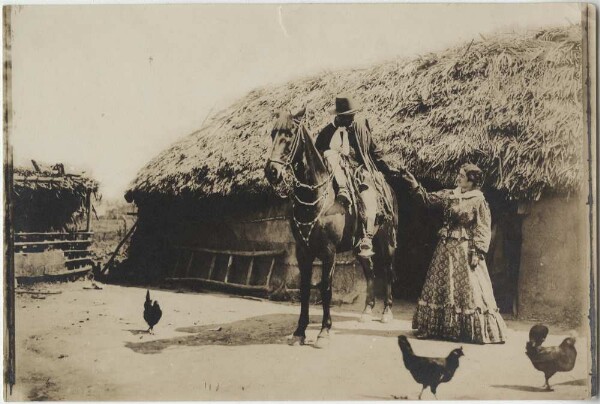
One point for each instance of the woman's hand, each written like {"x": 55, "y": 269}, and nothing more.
{"x": 474, "y": 261}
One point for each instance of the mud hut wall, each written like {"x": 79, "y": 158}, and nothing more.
{"x": 554, "y": 271}
{"x": 163, "y": 225}
{"x": 266, "y": 228}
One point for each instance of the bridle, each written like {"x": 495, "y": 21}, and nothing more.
{"x": 288, "y": 167}
{"x": 297, "y": 184}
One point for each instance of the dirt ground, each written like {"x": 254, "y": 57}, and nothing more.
{"x": 91, "y": 344}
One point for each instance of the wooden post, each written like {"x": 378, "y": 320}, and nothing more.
{"x": 88, "y": 202}
{"x": 9, "y": 263}
{"x": 212, "y": 266}
{"x": 228, "y": 268}
{"x": 270, "y": 272}
{"x": 119, "y": 247}
{"x": 250, "y": 267}
{"x": 189, "y": 265}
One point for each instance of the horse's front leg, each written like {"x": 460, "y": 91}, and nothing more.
{"x": 326, "y": 294}
{"x": 305, "y": 264}
{"x": 367, "y": 266}
{"x": 390, "y": 277}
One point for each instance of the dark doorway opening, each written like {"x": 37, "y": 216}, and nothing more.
{"x": 417, "y": 239}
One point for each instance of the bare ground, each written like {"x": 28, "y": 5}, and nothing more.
{"x": 88, "y": 344}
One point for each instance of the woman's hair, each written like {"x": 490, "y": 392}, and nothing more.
{"x": 474, "y": 174}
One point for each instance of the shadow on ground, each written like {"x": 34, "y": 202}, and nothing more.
{"x": 138, "y": 332}
{"x": 535, "y": 389}
{"x": 260, "y": 330}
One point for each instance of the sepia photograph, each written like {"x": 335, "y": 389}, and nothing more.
{"x": 315, "y": 202}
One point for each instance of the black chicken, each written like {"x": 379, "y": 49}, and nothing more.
{"x": 429, "y": 371}
{"x": 152, "y": 312}
{"x": 550, "y": 359}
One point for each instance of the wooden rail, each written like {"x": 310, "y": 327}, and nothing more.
{"x": 74, "y": 246}
{"x": 56, "y": 277}
{"x": 181, "y": 271}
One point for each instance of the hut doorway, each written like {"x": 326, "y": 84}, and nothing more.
{"x": 417, "y": 238}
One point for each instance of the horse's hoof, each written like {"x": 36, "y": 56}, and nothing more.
{"x": 366, "y": 314}
{"x": 387, "y": 317}
{"x": 322, "y": 342}
{"x": 296, "y": 340}
{"x": 365, "y": 317}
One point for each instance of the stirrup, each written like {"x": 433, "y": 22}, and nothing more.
{"x": 366, "y": 247}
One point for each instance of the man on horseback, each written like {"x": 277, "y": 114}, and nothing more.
{"x": 348, "y": 147}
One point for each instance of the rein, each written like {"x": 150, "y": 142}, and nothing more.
{"x": 296, "y": 183}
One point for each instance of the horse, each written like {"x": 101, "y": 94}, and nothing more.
{"x": 321, "y": 226}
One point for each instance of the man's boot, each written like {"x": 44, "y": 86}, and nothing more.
{"x": 343, "y": 195}
{"x": 366, "y": 244}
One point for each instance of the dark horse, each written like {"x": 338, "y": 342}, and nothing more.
{"x": 320, "y": 224}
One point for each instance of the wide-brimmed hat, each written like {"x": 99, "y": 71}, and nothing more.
{"x": 345, "y": 106}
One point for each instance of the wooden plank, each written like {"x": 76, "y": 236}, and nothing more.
{"x": 84, "y": 252}
{"x": 57, "y": 277}
{"x": 78, "y": 260}
{"x": 54, "y": 233}
{"x": 189, "y": 264}
{"x": 229, "y": 262}
{"x": 258, "y": 291}
{"x": 88, "y": 202}
{"x": 212, "y": 266}
{"x": 114, "y": 254}
{"x": 270, "y": 272}
{"x": 70, "y": 253}
{"x": 234, "y": 252}
{"x": 47, "y": 243}
{"x": 250, "y": 267}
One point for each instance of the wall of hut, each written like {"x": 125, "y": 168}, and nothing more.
{"x": 554, "y": 275}
{"x": 164, "y": 226}
{"x": 537, "y": 259}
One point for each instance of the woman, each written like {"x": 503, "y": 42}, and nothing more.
{"x": 457, "y": 301}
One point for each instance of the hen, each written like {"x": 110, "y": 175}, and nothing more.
{"x": 550, "y": 359}
{"x": 429, "y": 371}
{"x": 152, "y": 312}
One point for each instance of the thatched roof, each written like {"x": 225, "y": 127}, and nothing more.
{"x": 510, "y": 103}
{"x": 49, "y": 199}
{"x": 52, "y": 180}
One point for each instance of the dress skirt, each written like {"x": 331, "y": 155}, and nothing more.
{"x": 457, "y": 302}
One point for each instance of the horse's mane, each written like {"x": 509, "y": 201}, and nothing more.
{"x": 310, "y": 150}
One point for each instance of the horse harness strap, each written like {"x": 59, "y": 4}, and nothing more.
{"x": 296, "y": 183}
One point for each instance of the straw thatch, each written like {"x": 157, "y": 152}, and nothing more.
{"x": 511, "y": 103}
{"x": 49, "y": 199}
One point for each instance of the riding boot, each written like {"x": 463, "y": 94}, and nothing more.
{"x": 343, "y": 195}
{"x": 366, "y": 244}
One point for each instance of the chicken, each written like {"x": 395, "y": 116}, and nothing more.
{"x": 550, "y": 359}
{"x": 537, "y": 335}
{"x": 429, "y": 371}
{"x": 152, "y": 312}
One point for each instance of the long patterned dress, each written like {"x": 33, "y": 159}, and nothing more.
{"x": 457, "y": 301}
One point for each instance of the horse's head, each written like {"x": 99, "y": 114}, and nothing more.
{"x": 285, "y": 144}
